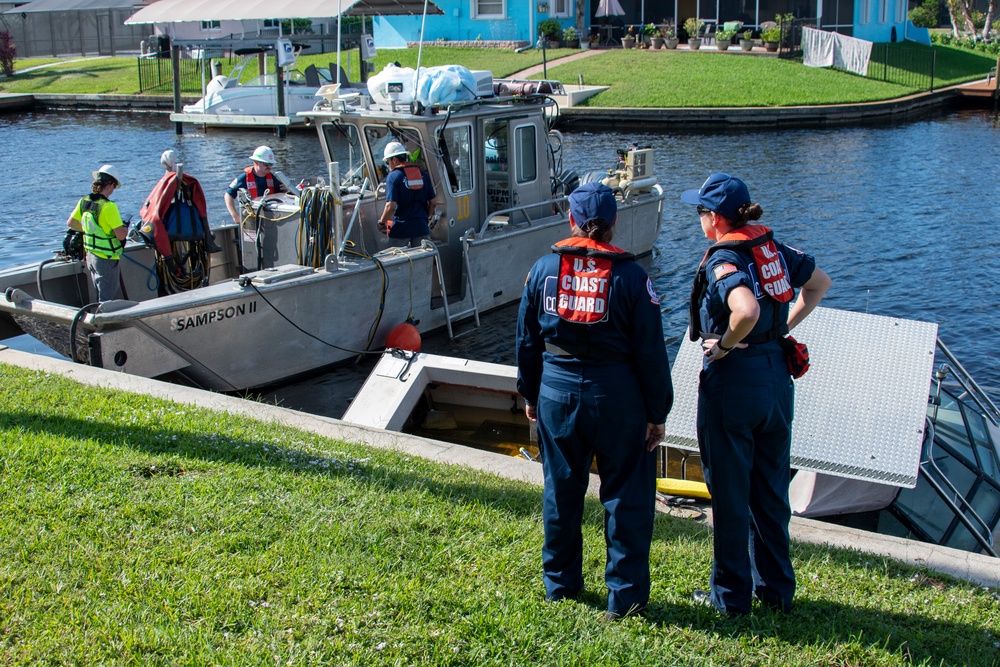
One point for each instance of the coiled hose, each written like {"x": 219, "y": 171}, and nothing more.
{"x": 314, "y": 240}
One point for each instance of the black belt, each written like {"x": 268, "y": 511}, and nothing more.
{"x": 586, "y": 355}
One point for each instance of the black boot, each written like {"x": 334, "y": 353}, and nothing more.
{"x": 210, "y": 245}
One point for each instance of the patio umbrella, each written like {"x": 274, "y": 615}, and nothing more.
{"x": 609, "y": 8}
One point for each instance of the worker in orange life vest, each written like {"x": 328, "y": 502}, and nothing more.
{"x": 409, "y": 199}
{"x": 593, "y": 371}
{"x": 255, "y": 179}
{"x": 741, "y": 304}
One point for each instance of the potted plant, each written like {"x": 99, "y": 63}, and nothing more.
{"x": 650, "y": 34}
{"x": 551, "y": 30}
{"x": 746, "y": 40}
{"x": 692, "y": 26}
{"x": 628, "y": 41}
{"x": 571, "y": 37}
{"x": 669, "y": 35}
{"x": 770, "y": 36}
{"x": 724, "y": 38}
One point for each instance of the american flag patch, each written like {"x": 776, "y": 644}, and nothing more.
{"x": 723, "y": 270}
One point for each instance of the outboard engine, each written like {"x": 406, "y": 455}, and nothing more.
{"x": 217, "y": 83}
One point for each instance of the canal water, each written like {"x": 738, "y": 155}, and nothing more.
{"x": 902, "y": 217}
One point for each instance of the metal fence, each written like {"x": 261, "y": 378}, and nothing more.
{"x": 904, "y": 64}
{"x": 92, "y": 32}
{"x": 156, "y": 75}
{"x": 790, "y": 44}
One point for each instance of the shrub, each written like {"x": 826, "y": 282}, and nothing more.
{"x": 667, "y": 30}
{"x": 569, "y": 34}
{"x": 771, "y": 34}
{"x": 7, "y": 53}
{"x": 551, "y": 29}
{"x": 926, "y": 15}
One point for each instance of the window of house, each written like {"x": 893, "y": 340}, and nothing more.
{"x": 900, "y": 12}
{"x": 527, "y": 167}
{"x": 489, "y": 9}
{"x": 865, "y": 11}
{"x": 560, "y": 8}
{"x": 272, "y": 23}
{"x": 211, "y": 25}
{"x": 883, "y": 11}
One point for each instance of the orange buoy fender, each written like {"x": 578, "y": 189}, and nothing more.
{"x": 404, "y": 337}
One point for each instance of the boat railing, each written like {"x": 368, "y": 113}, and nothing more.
{"x": 505, "y": 217}
{"x": 976, "y": 526}
{"x": 972, "y": 390}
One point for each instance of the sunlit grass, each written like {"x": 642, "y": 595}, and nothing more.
{"x": 139, "y": 531}
{"x": 636, "y": 78}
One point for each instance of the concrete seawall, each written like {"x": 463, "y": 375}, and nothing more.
{"x": 601, "y": 118}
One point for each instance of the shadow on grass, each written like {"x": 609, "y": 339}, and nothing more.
{"x": 831, "y": 628}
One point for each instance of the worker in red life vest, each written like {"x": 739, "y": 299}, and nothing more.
{"x": 103, "y": 232}
{"x": 157, "y": 205}
{"x": 255, "y": 179}
{"x": 593, "y": 371}
{"x": 742, "y": 303}
{"x": 409, "y": 199}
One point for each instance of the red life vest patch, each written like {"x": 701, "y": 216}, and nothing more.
{"x": 584, "y": 288}
{"x": 773, "y": 277}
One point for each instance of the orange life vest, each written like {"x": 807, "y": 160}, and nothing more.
{"x": 583, "y": 291}
{"x": 252, "y": 183}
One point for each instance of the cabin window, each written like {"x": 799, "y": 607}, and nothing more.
{"x": 207, "y": 26}
{"x": 457, "y": 157}
{"x": 527, "y": 164}
{"x": 344, "y": 147}
{"x": 489, "y": 9}
{"x": 496, "y": 155}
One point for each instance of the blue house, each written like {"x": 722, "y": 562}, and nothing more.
{"x": 518, "y": 20}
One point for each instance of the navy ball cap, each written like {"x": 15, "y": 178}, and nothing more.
{"x": 593, "y": 201}
{"x": 721, "y": 193}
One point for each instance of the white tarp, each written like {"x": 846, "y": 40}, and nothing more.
{"x": 177, "y": 11}
{"x": 829, "y": 49}
{"x": 815, "y": 494}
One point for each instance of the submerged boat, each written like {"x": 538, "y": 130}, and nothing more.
{"x": 307, "y": 281}
{"x": 886, "y": 443}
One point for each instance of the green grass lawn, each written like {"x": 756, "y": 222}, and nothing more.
{"x": 135, "y": 531}
{"x": 636, "y": 78}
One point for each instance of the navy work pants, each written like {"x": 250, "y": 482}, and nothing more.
{"x": 586, "y": 412}
{"x": 745, "y": 409}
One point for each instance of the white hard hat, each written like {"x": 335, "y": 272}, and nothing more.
{"x": 393, "y": 149}
{"x": 169, "y": 159}
{"x": 263, "y": 154}
{"x": 110, "y": 171}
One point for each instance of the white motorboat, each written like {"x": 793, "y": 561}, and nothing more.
{"x": 882, "y": 442}
{"x": 228, "y": 102}
{"x": 306, "y": 281}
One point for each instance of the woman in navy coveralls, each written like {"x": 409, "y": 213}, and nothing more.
{"x": 741, "y": 304}
{"x": 593, "y": 370}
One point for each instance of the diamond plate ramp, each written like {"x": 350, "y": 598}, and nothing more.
{"x": 859, "y": 411}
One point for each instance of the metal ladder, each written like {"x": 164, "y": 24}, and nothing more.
{"x": 474, "y": 309}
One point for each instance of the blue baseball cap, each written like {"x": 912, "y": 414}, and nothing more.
{"x": 721, "y": 193}
{"x": 593, "y": 201}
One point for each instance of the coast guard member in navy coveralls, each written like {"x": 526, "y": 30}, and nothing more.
{"x": 593, "y": 370}
{"x": 409, "y": 199}
{"x": 255, "y": 179}
{"x": 741, "y": 305}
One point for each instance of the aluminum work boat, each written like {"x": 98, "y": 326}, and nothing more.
{"x": 307, "y": 281}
